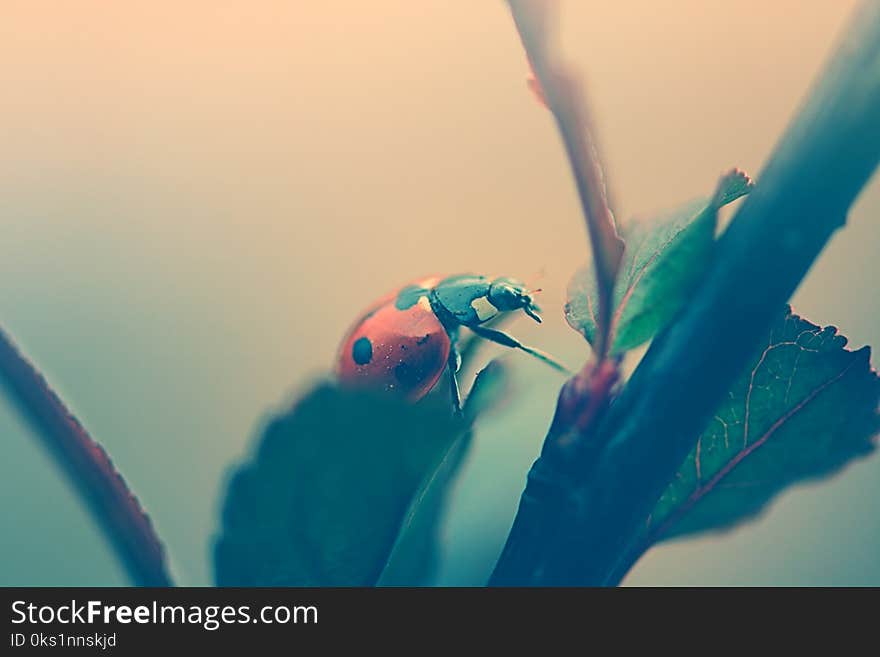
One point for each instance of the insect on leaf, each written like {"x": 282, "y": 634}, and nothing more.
{"x": 664, "y": 261}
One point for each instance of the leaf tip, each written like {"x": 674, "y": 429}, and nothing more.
{"x": 490, "y": 386}
{"x": 734, "y": 184}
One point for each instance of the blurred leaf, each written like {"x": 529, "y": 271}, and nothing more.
{"x": 664, "y": 261}
{"x": 414, "y": 554}
{"x": 324, "y": 498}
{"x": 804, "y": 408}
{"x": 339, "y": 483}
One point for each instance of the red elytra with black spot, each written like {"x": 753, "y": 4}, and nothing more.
{"x": 398, "y": 350}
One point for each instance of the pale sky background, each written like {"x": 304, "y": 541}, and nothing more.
{"x": 197, "y": 198}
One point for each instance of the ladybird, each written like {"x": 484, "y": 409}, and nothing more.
{"x": 405, "y": 340}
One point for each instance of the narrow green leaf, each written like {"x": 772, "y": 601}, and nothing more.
{"x": 414, "y": 554}
{"x": 413, "y": 557}
{"x": 490, "y": 386}
{"x": 664, "y": 261}
{"x": 803, "y": 409}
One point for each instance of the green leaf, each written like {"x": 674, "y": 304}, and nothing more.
{"x": 490, "y": 386}
{"x": 324, "y": 498}
{"x": 804, "y": 408}
{"x": 664, "y": 260}
{"x": 414, "y": 553}
{"x": 345, "y": 488}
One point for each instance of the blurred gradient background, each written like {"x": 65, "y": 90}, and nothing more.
{"x": 197, "y": 198}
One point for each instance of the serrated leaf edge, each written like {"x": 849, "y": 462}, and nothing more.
{"x": 861, "y": 356}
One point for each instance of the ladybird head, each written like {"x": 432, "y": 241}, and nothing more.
{"x": 507, "y": 294}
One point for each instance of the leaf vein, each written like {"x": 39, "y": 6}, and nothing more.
{"x": 710, "y": 485}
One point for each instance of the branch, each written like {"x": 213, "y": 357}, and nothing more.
{"x": 112, "y": 504}
{"x": 815, "y": 173}
{"x": 559, "y": 90}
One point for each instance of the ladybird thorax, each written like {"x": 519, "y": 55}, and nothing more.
{"x": 462, "y": 301}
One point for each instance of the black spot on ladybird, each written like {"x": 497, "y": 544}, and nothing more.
{"x": 362, "y": 351}
{"x": 423, "y": 339}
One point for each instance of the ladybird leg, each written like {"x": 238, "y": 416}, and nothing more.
{"x": 506, "y": 340}
{"x": 453, "y": 365}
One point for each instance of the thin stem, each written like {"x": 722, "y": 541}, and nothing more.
{"x": 561, "y": 92}
{"x": 114, "y": 507}
{"x": 584, "y": 398}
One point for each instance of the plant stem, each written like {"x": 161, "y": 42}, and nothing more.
{"x": 815, "y": 173}
{"x": 563, "y": 95}
{"x": 114, "y": 507}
